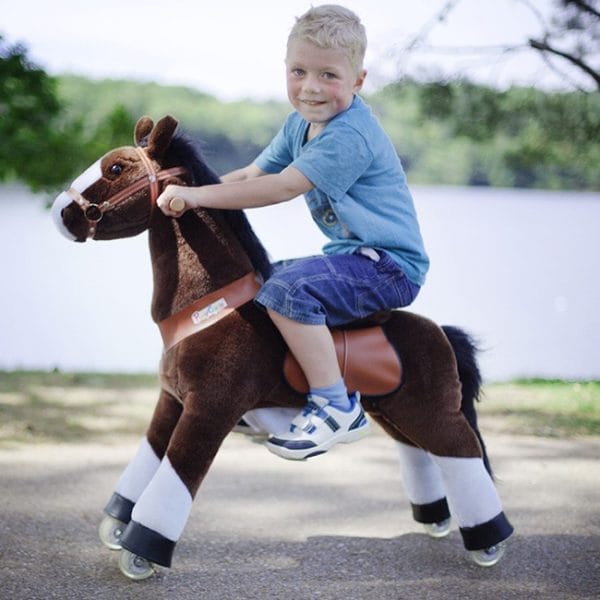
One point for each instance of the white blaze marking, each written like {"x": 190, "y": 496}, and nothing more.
{"x": 88, "y": 177}
{"x": 62, "y": 201}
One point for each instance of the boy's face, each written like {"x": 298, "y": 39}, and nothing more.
{"x": 320, "y": 81}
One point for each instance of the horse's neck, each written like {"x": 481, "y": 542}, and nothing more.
{"x": 191, "y": 257}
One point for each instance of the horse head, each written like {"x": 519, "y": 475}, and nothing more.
{"x": 116, "y": 196}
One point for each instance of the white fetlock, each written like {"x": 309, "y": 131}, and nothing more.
{"x": 488, "y": 557}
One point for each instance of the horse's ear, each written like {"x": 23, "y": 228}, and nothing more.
{"x": 142, "y": 128}
{"x": 160, "y": 136}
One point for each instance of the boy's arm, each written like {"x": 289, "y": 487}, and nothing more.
{"x": 248, "y": 172}
{"x": 237, "y": 194}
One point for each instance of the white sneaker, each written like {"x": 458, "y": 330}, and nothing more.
{"x": 319, "y": 427}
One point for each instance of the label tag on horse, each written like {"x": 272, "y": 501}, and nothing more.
{"x": 209, "y": 311}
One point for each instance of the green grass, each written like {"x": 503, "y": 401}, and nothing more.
{"x": 42, "y": 407}
{"x": 39, "y": 407}
{"x": 549, "y": 408}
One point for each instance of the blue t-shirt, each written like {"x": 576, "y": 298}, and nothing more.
{"x": 360, "y": 198}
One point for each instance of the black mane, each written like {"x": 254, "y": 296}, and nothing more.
{"x": 186, "y": 153}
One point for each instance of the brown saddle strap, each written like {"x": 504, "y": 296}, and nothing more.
{"x": 368, "y": 362}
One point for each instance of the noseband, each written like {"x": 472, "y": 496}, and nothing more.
{"x": 94, "y": 212}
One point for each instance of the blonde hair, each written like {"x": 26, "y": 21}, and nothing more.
{"x": 333, "y": 26}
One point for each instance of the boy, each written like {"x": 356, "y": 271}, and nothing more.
{"x": 333, "y": 150}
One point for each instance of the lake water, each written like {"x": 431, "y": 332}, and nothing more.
{"x": 518, "y": 269}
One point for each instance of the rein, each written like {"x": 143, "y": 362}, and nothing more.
{"x": 94, "y": 212}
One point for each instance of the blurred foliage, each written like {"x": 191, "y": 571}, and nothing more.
{"x": 232, "y": 133}
{"x": 32, "y": 133}
{"x": 452, "y": 133}
{"x": 42, "y": 142}
{"x": 524, "y": 137}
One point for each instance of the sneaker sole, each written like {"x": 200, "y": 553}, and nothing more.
{"x": 344, "y": 438}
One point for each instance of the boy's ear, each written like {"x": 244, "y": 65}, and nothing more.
{"x": 360, "y": 80}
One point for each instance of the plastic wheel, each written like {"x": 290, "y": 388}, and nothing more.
{"x": 488, "y": 557}
{"x": 135, "y": 567}
{"x": 110, "y": 532}
{"x": 437, "y": 530}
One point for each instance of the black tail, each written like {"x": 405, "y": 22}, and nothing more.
{"x": 465, "y": 351}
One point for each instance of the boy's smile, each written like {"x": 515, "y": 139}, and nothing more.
{"x": 321, "y": 83}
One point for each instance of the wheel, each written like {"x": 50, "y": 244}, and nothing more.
{"x": 438, "y": 530}
{"x": 488, "y": 557}
{"x": 110, "y": 532}
{"x": 135, "y": 567}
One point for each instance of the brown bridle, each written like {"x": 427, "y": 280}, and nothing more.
{"x": 94, "y": 212}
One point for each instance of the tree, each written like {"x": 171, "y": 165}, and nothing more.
{"x": 31, "y": 132}
{"x": 572, "y": 37}
{"x": 544, "y": 139}
{"x": 568, "y": 41}
{"x": 114, "y": 129}
{"x": 40, "y": 144}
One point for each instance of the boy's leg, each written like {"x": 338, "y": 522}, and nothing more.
{"x": 301, "y": 298}
{"x": 313, "y": 347}
{"x": 330, "y": 416}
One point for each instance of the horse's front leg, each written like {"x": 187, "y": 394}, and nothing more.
{"x": 140, "y": 470}
{"x": 162, "y": 510}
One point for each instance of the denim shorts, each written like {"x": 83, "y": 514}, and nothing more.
{"x": 336, "y": 289}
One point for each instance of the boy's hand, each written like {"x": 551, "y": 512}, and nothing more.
{"x": 177, "y": 204}
{"x": 175, "y": 200}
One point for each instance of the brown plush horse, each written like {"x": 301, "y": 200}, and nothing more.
{"x": 207, "y": 266}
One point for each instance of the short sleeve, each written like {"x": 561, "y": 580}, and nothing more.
{"x": 335, "y": 160}
{"x": 277, "y": 155}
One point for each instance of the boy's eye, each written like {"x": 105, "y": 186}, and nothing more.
{"x": 329, "y": 76}
{"x": 298, "y": 72}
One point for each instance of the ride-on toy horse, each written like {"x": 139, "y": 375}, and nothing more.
{"x": 206, "y": 267}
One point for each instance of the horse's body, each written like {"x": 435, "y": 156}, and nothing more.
{"x": 213, "y": 376}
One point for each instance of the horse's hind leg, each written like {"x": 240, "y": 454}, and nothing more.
{"x": 436, "y": 426}
{"x": 141, "y": 469}
{"x": 425, "y": 489}
{"x": 423, "y": 484}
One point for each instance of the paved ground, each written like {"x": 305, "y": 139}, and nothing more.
{"x": 337, "y": 527}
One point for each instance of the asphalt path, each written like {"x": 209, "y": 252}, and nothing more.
{"x": 335, "y": 527}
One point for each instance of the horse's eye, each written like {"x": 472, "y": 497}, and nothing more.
{"x": 116, "y": 169}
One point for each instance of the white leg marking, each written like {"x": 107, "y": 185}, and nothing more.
{"x": 165, "y": 504}
{"x": 138, "y": 472}
{"x": 420, "y": 474}
{"x": 472, "y": 495}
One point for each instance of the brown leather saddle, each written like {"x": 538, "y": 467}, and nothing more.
{"x": 369, "y": 363}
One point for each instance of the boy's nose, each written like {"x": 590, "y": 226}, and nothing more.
{"x": 311, "y": 85}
